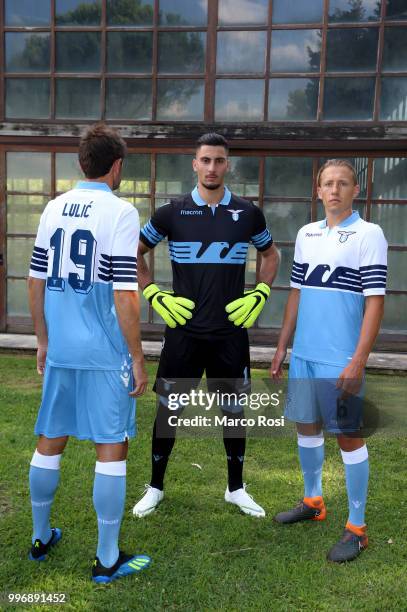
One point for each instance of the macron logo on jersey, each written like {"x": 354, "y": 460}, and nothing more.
{"x": 191, "y": 212}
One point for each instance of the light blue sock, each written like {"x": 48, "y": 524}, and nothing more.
{"x": 109, "y": 494}
{"x": 44, "y": 479}
{"x": 357, "y": 478}
{"x": 311, "y": 450}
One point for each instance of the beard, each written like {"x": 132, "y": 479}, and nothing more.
{"x": 211, "y": 187}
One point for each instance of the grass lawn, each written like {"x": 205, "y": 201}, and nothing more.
{"x": 206, "y": 555}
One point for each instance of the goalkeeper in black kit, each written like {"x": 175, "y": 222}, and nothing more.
{"x": 207, "y": 315}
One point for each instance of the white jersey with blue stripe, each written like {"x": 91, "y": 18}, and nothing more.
{"x": 86, "y": 247}
{"x": 335, "y": 269}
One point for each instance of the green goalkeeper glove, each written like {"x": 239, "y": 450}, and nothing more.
{"x": 174, "y": 310}
{"x": 244, "y": 311}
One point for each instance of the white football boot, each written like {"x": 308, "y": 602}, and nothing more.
{"x": 244, "y": 501}
{"x": 149, "y": 502}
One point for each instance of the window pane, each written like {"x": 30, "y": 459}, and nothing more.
{"x": 24, "y": 212}
{"x": 18, "y": 91}
{"x": 292, "y": 11}
{"x": 241, "y": 99}
{"x": 78, "y": 12}
{"x": 250, "y": 276}
{"x": 393, "y": 105}
{"x": 143, "y": 208}
{"x": 272, "y": 313}
{"x": 27, "y": 52}
{"x": 352, "y": 50}
{"x": 360, "y": 164}
{"x": 243, "y": 12}
{"x": 243, "y": 176}
{"x": 67, "y": 171}
{"x": 144, "y": 310}
{"x": 390, "y": 178}
{"x": 78, "y": 51}
{"x": 396, "y": 9}
{"x": 364, "y": 10}
{"x": 129, "y": 51}
{"x": 174, "y": 174}
{"x": 395, "y": 313}
{"x": 288, "y": 177}
{"x": 181, "y": 52}
{"x": 284, "y": 271}
{"x": 17, "y": 299}
{"x": 180, "y": 100}
{"x": 136, "y": 175}
{"x": 27, "y": 13}
{"x": 284, "y": 219}
{"x": 29, "y": 172}
{"x": 183, "y": 12}
{"x": 395, "y": 49}
{"x": 128, "y": 99}
{"x": 392, "y": 218}
{"x": 241, "y": 52}
{"x": 19, "y": 251}
{"x": 349, "y": 98}
{"x": 162, "y": 266}
{"x": 130, "y": 14}
{"x": 293, "y": 99}
{"x": 295, "y": 50}
{"x": 78, "y": 98}
{"x": 397, "y": 270}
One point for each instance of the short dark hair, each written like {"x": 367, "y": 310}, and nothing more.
{"x": 99, "y": 148}
{"x": 213, "y": 140}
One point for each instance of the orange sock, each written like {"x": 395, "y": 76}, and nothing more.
{"x": 359, "y": 531}
{"x": 316, "y": 502}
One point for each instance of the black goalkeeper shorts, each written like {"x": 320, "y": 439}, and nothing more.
{"x": 185, "y": 358}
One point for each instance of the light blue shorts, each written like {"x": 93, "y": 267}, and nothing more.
{"x": 88, "y": 404}
{"x": 312, "y": 397}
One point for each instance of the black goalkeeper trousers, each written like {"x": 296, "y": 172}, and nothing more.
{"x": 234, "y": 440}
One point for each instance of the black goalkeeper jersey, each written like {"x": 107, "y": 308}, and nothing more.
{"x": 208, "y": 248}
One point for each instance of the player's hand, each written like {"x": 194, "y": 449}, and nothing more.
{"x": 276, "y": 368}
{"x": 41, "y": 358}
{"x": 351, "y": 379}
{"x": 244, "y": 311}
{"x": 174, "y": 310}
{"x": 140, "y": 379}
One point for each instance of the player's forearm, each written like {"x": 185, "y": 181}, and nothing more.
{"x": 289, "y": 320}
{"x": 128, "y": 313}
{"x": 372, "y": 319}
{"x": 270, "y": 261}
{"x": 143, "y": 273}
{"x": 36, "y": 288}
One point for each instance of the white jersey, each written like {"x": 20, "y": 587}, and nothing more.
{"x": 86, "y": 247}
{"x": 335, "y": 270}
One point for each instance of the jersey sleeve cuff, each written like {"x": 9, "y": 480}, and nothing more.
{"x": 295, "y": 285}
{"x": 125, "y": 286}
{"x": 40, "y": 275}
{"x": 146, "y": 241}
{"x": 265, "y": 246}
{"x": 377, "y": 291}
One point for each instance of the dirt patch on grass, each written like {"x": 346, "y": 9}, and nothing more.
{"x": 5, "y": 503}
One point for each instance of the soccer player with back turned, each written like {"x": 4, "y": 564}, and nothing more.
{"x": 207, "y": 316}
{"x": 335, "y": 307}
{"x": 84, "y": 303}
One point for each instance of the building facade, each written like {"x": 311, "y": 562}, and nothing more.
{"x": 290, "y": 83}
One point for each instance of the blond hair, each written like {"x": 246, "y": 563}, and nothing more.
{"x": 337, "y": 163}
